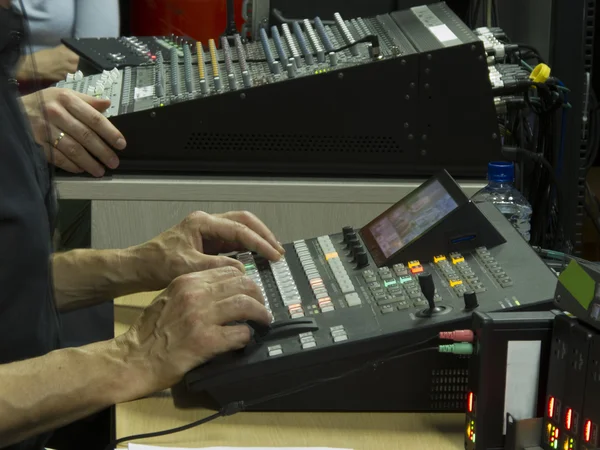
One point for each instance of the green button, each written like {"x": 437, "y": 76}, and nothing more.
{"x": 405, "y": 280}
{"x": 389, "y": 283}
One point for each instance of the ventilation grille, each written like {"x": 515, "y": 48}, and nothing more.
{"x": 276, "y": 143}
{"x": 449, "y": 389}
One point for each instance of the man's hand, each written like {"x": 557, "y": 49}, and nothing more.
{"x": 188, "y": 324}
{"x": 52, "y": 64}
{"x": 192, "y": 245}
{"x": 88, "y": 135}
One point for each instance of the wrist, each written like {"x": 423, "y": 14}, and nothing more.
{"x": 148, "y": 263}
{"x": 132, "y": 374}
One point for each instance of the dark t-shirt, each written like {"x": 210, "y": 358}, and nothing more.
{"x": 29, "y": 324}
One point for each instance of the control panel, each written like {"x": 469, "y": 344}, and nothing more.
{"x": 110, "y": 53}
{"x": 335, "y": 308}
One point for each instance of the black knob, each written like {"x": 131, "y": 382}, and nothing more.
{"x": 362, "y": 260}
{"x": 427, "y": 287}
{"x": 347, "y": 232}
{"x": 351, "y": 243}
{"x": 470, "y": 300}
{"x": 356, "y": 248}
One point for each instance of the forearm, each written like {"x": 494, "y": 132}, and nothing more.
{"x": 88, "y": 277}
{"x": 45, "y": 393}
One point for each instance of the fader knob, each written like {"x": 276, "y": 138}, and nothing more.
{"x": 348, "y": 232}
{"x": 470, "y": 300}
{"x": 362, "y": 260}
{"x": 333, "y": 60}
{"x": 352, "y": 241}
{"x": 356, "y": 249}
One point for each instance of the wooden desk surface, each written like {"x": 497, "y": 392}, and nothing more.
{"x": 358, "y": 431}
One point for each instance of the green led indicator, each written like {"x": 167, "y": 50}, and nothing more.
{"x": 249, "y": 266}
{"x": 473, "y": 437}
{"x": 556, "y": 443}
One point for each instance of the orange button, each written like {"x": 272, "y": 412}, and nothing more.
{"x": 316, "y": 282}
{"x": 417, "y": 269}
{"x": 324, "y": 300}
{"x": 329, "y": 256}
{"x": 295, "y": 306}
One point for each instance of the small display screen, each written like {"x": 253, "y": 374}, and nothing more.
{"x": 412, "y": 217}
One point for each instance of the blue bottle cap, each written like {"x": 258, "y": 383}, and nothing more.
{"x": 501, "y": 172}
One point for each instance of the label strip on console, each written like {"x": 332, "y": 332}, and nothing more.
{"x": 435, "y": 26}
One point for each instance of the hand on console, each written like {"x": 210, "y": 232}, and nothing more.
{"x": 74, "y": 134}
{"x": 186, "y": 325}
{"x": 195, "y": 244}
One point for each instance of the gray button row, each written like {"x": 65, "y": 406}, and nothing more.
{"x": 335, "y": 263}
{"x": 285, "y": 282}
{"x": 252, "y": 272}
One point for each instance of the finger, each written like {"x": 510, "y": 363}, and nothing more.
{"x": 234, "y": 337}
{"x": 239, "y": 308}
{"x": 56, "y": 158}
{"x": 74, "y": 152}
{"x": 199, "y": 279}
{"x": 255, "y": 224}
{"x": 213, "y": 262}
{"x": 238, "y": 286}
{"x": 99, "y": 104}
{"x": 214, "y": 227}
{"x": 80, "y": 106}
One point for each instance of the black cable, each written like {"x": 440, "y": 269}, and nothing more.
{"x": 235, "y": 407}
{"x": 279, "y": 16}
{"x": 496, "y": 13}
{"x": 475, "y": 13}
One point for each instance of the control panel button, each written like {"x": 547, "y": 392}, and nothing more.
{"x": 338, "y": 333}
{"x": 275, "y": 350}
{"x": 438, "y": 259}
{"x": 353, "y": 299}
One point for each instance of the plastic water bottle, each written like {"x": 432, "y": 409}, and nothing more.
{"x": 501, "y": 192}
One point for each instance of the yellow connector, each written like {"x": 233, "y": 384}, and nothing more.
{"x": 437, "y": 259}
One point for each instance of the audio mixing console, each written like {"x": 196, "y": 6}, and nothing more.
{"x": 337, "y": 305}
{"x": 386, "y": 95}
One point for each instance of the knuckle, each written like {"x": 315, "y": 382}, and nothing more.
{"x": 195, "y": 216}
{"x": 97, "y": 119}
{"x": 87, "y": 136}
{"x": 53, "y": 110}
{"x": 246, "y": 215}
{"x": 64, "y": 97}
{"x": 72, "y": 152}
{"x": 181, "y": 282}
{"x": 231, "y": 271}
{"x": 241, "y": 302}
{"x": 249, "y": 286}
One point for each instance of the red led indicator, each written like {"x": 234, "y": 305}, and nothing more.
{"x": 551, "y": 407}
{"x": 569, "y": 418}
{"x": 587, "y": 431}
{"x": 470, "y": 402}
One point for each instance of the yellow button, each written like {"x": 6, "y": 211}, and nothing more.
{"x": 437, "y": 259}
{"x": 412, "y": 264}
{"x": 329, "y": 256}
{"x": 457, "y": 260}
{"x": 455, "y": 283}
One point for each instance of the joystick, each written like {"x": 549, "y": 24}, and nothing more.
{"x": 428, "y": 289}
